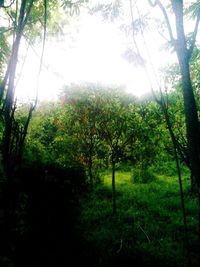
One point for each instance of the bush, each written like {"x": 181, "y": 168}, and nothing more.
{"x": 142, "y": 176}
{"x": 166, "y": 168}
{"x": 123, "y": 167}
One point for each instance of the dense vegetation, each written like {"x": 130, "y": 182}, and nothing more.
{"x": 99, "y": 177}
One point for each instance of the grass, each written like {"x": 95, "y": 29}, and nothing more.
{"x": 148, "y": 228}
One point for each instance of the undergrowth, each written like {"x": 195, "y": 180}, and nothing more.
{"x": 148, "y": 227}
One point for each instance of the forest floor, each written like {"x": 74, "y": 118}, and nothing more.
{"x": 148, "y": 227}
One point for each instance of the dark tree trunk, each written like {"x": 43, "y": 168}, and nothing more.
{"x": 190, "y": 109}
{"x": 191, "y": 116}
{"x": 8, "y": 104}
{"x": 90, "y": 171}
{"x": 192, "y": 123}
{"x": 11, "y": 134}
{"x": 113, "y": 188}
{"x": 176, "y": 147}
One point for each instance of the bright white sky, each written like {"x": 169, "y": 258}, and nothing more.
{"x": 95, "y": 56}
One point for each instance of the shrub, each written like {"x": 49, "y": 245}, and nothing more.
{"x": 142, "y": 176}
{"x": 166, "y": 168}
{"x": 123, "y": 167}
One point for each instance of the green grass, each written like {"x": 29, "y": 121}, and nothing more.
{"x": 148, "y": 223}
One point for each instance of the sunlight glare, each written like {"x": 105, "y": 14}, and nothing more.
{"x": 96, "y": 57}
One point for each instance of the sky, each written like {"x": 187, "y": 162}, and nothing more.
{"x": 94, "y": 54}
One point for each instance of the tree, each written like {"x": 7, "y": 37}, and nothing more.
{"x": 114, "y": 112}
{"x": 184, "y": 49}
{"x": 13, "y": 133}
{"x": 81, "y": 105}
{"x": 25, "y": 20}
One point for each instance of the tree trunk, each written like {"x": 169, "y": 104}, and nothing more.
{"x": 190, "y": 108}
{"x": 174, "y": 142}
{"x": 191, "y": 116}
{"x": 90, "y": 171}
{"x": 192, "y": 123}
{"x": 8, "y": 103}
{"x": 113, "y": 188}
{"x": 8, "y": 113}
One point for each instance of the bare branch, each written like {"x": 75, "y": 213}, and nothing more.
{"x": 5, "y": 30}
{"x": 152, "y": 4}
{"x": 28, "y": 12}
{"x": 43, "y": 48}
{"x": 133, "y": 34}
{"x": 22, "y": 67}
{"x": 157, "y": 2}
{"x": 194, "y": 35}
{"x": 167, "y": 21}
{"x": 149, "y": 57}
{"x": 144, "y": 233}
{"x": 12, "y": 2}
{"x": 4, "y": 82}
{"x": 11, "y": 18}
{"x": 20, "y": 25}
{"x": 162, "y": 35}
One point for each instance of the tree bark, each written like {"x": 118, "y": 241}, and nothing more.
{"x": 90, "y": 171}
{"x": 8, "y": 104}
{"x": 192, "y": 123}
{"x": 164, "y": 108}
{"x": 190, "y": 108}
{"x": 191, "y": 115}
{"x": 113, "y": 188}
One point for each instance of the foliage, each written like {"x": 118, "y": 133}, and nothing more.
{"x": 4, "y": 49}
{"x": 91, "y": 124}
{"x": 143, "y": 176}
{"x": 46, "y": 141}
{"x": 73, "y": 6}
{"x": 97, "y": 115}
{"x": 151, "y": 134}
{"x": 195, "y": 65}
{"x": 90, "y": 128}
{"x": 109, "y": 11}
{"x": 148, "y": 228}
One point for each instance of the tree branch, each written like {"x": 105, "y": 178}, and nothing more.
{"x": 144, "y": 233}
{"x": 167, "y": 22}
{"x": 11, "y": 18}
{"x": 3, "y": 6}
{"x": 194, "y": 35}
{"x": 20, "y": 25}
{"x": 43, "y": 48}
{"x": 5, "y": 30}
{"x": 28, "y": 12}
{"x": 152, "y": 4}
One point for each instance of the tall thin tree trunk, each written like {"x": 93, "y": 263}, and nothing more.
{"x": 90, "y": 171}
{"x": 191, "y": 115}
{"x": 8, "y": 104}
{"x": 174, "y": 142}
{"x": 186, "y": 240}
{"x": 8, "y": 113}
{"x": 192, "y": 122}
{"x": 190, "y": 108}
{"x": 113, "y": 188}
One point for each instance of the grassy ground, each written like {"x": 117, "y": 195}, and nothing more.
{"x": 148, "y": 228}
